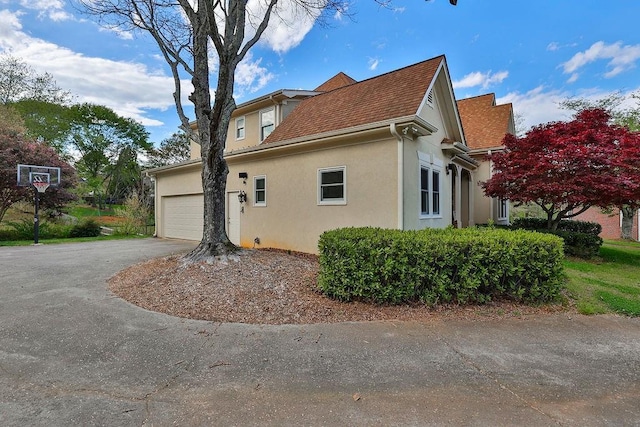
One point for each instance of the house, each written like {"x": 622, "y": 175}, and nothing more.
{"x": 611, "y": 222}
{"x": 485, "y": 124}
{"x": 387, "y": 152}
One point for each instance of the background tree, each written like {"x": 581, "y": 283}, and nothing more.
{"x": 14, "y": 150}
{"x": 172, "y": 150}
{"x": 46, "y": 122}
{"x": 184, "y": 30}
{"x": 623, "y": 116}
{"x": 107, "y": 148}
{"x": 11, "y": 121}
{"x": 19, "y": 81}
{"x": 567, "y": 167}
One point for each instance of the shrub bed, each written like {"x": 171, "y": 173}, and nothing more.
{"x": 580, "y": 237}
{"x": 439, "y": 266}
{"x": 25, "y": 229}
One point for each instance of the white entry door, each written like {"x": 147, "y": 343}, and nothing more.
{"x": 233, "y": 217}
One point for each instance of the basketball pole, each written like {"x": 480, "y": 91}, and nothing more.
{"x": 36, "y": 221}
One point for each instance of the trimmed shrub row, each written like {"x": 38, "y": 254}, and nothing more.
{"x": 564, "y": 225}
{"x": 438, "y": 266}
{"x": 580, "y": 237}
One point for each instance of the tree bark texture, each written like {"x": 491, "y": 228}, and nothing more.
{"x": 628, "y": 214}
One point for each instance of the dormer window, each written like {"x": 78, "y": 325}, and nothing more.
{"x": 267, "y": 123}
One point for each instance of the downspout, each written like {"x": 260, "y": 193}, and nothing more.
{"x": 393, "y": 128}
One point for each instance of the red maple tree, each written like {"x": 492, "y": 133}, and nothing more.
{"x": 14, "y": 150}
{"x": 568, "y": 167}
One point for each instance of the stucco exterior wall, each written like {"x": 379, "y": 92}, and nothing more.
{"x": 292, "y": 218}
{"x": 251, "y": 129}
{"x": 482, "y": 205}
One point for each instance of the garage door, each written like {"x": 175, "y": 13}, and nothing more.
{"x": 182, "y": 216}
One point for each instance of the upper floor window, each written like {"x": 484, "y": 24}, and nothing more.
{"x": 240, "y": 127}
{"x": 267, "y": 123}
{"x": 260, "y": 190}
{"x": 332, "y": 186}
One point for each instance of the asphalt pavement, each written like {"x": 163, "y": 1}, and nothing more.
{"x": 72, "y": 353}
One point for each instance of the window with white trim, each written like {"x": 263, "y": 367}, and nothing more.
{"x": 267, "y": 123}
{"x": 332, "y": 186}
{"x": 430, "y": 185}
{"x": 503, "y": 208}
{"x": 260, "y": 190}
{"x": 240, "y": 128}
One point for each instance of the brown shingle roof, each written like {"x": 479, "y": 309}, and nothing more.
{"x": 485, "y": 123}
{"x": 392, "y": 95}
{"x": 335, "y": 82}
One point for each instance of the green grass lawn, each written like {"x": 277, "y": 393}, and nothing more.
{"x": 609, "y": 283}
{"x": 69, "y": 240}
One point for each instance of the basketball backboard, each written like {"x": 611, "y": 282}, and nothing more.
{"x": 28, "y": 174}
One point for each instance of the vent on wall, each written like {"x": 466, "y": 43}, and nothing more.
{"x": 430, "y": 97}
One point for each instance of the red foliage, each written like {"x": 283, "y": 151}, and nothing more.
{"x": 14, "y": 150}
{"x": 566, "y": 167}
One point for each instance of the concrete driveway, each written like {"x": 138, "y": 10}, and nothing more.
{"x": 73, "y": 354}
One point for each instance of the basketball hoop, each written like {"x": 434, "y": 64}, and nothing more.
{"x": 41, "y": 186}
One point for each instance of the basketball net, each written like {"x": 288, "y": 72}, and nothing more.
{"x": 41, "y": 186}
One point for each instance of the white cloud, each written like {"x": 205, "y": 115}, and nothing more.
{"x": 250, "y": 76}
{"x": 373, "y": 63}
{"x": 542, "y": 105}
{"x": 122, "y": 34}
{"x": 553, "y": 46}
{"x": 481, "y": 79}
{"x": 622, "y": 58}
{"x": 128, "y": 88}
{"x": 537, "y": 106}
{"x": 288, "y": 25}
{"x": 54, "y": 9}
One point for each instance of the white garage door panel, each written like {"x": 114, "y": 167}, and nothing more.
{"x": 182, "y": 216}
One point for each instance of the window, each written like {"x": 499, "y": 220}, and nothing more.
{"x": 503, "y": 208}
{"x": 240, "y": 128}
{"x": 260, "y": 190}
{"x": 435, "y": 192}
{"x": 430, "y": 185}
{"x": 267, "y": 123}
{"x": 332, "y": 186}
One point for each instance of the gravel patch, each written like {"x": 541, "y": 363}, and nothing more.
{"x": 274, "y": 287}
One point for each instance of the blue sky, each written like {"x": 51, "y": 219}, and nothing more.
{"x": 531, "y": 53}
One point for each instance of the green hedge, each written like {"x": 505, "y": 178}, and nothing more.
{"x": 436, "y": 266}
{"x": 580, "y": 237}
{"x": 564, "y": 225}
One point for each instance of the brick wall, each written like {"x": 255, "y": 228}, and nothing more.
{"x": 610, "y": 223}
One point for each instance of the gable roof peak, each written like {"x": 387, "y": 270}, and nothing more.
{"x": 335, "y": 82}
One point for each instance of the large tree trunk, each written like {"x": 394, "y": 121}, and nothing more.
{"x": 214, "y": 125}
{"x": 628, "y": 213}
